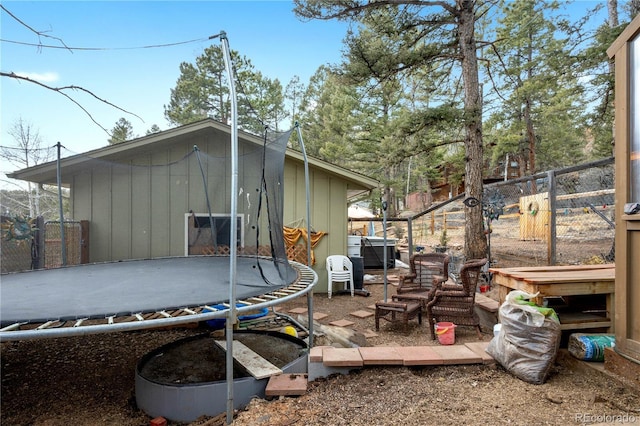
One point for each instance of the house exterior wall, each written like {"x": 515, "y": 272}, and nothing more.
{"x": 419, "y": 201}
{"x": 328, "y": 212}
{"x": 137, "y": 213}
{"x": 627, "y": 291}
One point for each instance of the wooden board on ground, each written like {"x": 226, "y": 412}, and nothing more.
{"x": 257, "y": 366}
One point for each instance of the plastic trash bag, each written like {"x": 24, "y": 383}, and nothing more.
{"x": 528, "y": 341}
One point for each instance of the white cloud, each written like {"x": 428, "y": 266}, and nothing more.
{"x": 47, "y": 77}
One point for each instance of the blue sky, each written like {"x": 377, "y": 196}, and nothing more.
{"x": 139, "y": 80}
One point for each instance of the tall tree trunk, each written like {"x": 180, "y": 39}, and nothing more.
{"x": 531, "y": 138}
{"x": 531, "y": 134}
{"x": 476, "y": 243}
{"x": 612, "y": 10}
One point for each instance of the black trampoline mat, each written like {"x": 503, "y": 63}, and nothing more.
{"x": 99, "y": 290}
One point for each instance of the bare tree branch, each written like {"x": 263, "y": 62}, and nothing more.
{"x": 38, "y": 33}
{"x": 62, "y": 89}
{"x": 72, "y": 87}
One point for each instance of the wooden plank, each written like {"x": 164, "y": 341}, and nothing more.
{"x": 577, "y": 317}
{"x": 560, "y": 288}
{"x": 561, "y": 268}
{"x": 581, "y": 321}
{"x": 257, "y": 366}
{"x": 576, "y": 289}
{"x": 487, "y": 303}
{"x": 585, "y": 325}
{"x": 566, "y": 278}
{"x": 560, "y": 276}
{"x": 585, "y": 194}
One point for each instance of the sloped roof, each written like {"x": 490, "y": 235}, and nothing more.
{"x": 46, "y": 173}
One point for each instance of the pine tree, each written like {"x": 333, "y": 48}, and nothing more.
{"x": 121, "y": 132}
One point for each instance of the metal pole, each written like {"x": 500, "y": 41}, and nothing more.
{"x": 406, "y": 200}
{"x": 63, "y": 244}
{"x": 551, "y": 246}
{"x": 489, "y": 241}
{"x": 308, "y": 196}
{"x": 384, "y": 242}
{"x": 410, "y": 236}
{"x": 233, "y": 226}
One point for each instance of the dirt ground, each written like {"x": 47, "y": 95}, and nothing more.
{"x": 89, "y": 380}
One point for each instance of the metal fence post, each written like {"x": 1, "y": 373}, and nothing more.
{"x": 410, "y": 236}
{"x": 551, "y": 247}
{"x": 39, "y": 242}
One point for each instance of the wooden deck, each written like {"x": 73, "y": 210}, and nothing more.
{"x": 563, "y": 281}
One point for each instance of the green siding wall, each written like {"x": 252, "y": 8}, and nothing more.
{"x": 328, "y": 212}
{"x": 139, "y": 213}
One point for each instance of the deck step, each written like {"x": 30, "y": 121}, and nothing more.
{"x": 487, "y": 310}
{"x": 487, "y": 303}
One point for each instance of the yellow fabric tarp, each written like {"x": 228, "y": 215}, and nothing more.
{"x": 292, "y": 235}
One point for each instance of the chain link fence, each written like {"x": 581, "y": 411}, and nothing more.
{"x": 19, "y": 243}
{"x": 560, "y": 217}
{"x": 16, "y": 255}
{"x": 34, "y": 244}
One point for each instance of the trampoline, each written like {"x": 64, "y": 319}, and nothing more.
{"x": 138, "y": 294}
{"x": 162, "y": 291}
{"x": 169, "y": 290}
{"x": 154, "y": 292}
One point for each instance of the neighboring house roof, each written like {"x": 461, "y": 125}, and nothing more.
{"x": 46, "y": 173}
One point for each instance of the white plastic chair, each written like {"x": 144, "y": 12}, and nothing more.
{"x": 340, "y": 269}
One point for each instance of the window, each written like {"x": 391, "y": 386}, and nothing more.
{"x": 198, "y": 231}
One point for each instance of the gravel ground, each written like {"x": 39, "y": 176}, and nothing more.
{"x": 89, "y": 380}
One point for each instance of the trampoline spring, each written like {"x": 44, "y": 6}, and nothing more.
{"x": 189, "y": 311}
{"x": 139, "y": 317}
{"x": 79, "y": 322}
{"x": 45, "y": 325}
{"x": 14, "y": 326}
{"x": 165, "y": 314}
